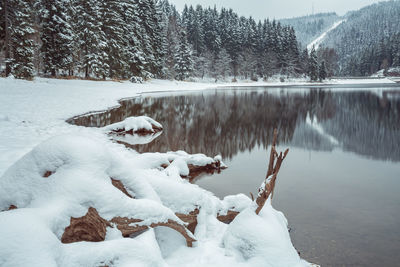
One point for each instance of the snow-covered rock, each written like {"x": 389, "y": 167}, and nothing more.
{"x": 131, "y": 125}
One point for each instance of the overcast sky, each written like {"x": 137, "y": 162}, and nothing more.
{"x": 260, "y": 9}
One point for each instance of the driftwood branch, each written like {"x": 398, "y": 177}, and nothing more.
{"x": 129, "y": 226}
{"x": 92, "y": 227}
{"x": 191, "y": 218}
{"x": 274, "y": 165}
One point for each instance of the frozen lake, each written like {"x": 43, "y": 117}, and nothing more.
{"x": 338, "y": 187}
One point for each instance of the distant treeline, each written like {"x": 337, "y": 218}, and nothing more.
{"x": 379, "y": 56}
{"x": 119, "y": 39}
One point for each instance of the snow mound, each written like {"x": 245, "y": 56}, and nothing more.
{"x": 135, "y": 124}
{"x": 261, "y": 240}
{"x": 66, "y": 176}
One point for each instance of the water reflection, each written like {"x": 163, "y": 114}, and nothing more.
{"x": 234, "y": 121}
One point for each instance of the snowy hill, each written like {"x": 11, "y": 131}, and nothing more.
{"x": 367, "y": 33}
{"x": 317, "y": 42}
{"x": 308, "y": 28}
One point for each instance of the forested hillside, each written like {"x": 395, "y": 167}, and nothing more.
{"x": 144, "y": 38}
{"x": 310, "y": 27}
{"x": 368, "y": 41}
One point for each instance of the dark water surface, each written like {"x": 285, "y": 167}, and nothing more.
{"x": 338, "y": 187}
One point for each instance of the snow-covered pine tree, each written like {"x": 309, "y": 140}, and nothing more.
{"x": 172, "y": 43}
{"x": 113, "y": 27}
{"x": 183, "y": 59}
{"x": 5, "y": 33}
{"x": 56, "y": 36}
{"x": 212, "y": 39}
{"x": 92, "y": 40}
{"x": 2, "y": 24}
{"x": 194, "y": 27}
{"x": 133, "y": 52}
{"x": 331, "y": 60}
{"x": 160, "y": 40}
{"x": 313, "y": 65}
{"x": 21, "y": 28}
{"x": 322, "y": 71}
{"x": 223, "y": 65}
{"x": 151, "y": 35}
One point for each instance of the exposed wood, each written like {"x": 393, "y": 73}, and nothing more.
{"x": 90, "y": 227}
{"x": 195, "y": 171}
{"x": 190, "y": 219}
{"x": 129, "y": 226}
{"x": 118, "y": 184}
{"x": 12, "y": 207}
{"x": 229, "y": 217}
{"x": 274, "y": 165}
{"x": 47, "y": 174}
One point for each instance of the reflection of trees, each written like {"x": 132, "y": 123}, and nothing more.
{"x": 367, "y": 124}
{"x": 229, "y": 122}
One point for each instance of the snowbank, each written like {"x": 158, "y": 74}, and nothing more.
{"x": 65, "y": 176}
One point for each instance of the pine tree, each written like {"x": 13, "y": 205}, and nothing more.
{"x": 183, "y": 59}
{"x": 21, "y": 38}
{"x": 322, "y": 71}
{"x": 2, "y": 24}
{"x": 152, "y": 37}
{"x": 223, "y": 65}
{"x": 113, "y": 27}
{"x": 56, "y": 36}
{"x": 133, "y": 52}
{"x": 5, "y": 20}
{"x": 92, "y": 40}
{"x": 313, "y": 65}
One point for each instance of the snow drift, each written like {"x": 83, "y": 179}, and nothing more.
{"x": 68, "y": 176}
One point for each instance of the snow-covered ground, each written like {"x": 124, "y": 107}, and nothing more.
{"x": 316, "y": 43}
{"x": 81, "y": 160}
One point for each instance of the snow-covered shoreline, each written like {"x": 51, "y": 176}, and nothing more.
{"x": 68, "y": 174}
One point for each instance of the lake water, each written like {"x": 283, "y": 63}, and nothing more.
{"x": 339, "y": 185}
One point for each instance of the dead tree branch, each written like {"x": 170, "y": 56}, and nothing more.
{"x": 274, "y": 165}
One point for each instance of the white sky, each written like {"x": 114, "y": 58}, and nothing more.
{"x": 260, "y": 9}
